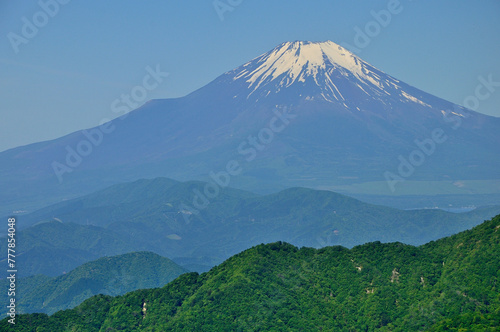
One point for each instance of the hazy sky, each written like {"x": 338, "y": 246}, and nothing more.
{"x": 64, "y": 74}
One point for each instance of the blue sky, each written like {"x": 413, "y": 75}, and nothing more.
{"x": 66, "y": 76}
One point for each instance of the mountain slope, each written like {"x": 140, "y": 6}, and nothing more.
{"x": 373, "y": 287}
{"x": 159, "y": 215}
{"x": 115, "y": 275}
{"x": 127, "y": 201}
{"x": 303, "y": 114}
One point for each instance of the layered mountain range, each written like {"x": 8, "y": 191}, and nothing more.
{"x": 446, "y": 285}
{"x": 270, "y": 141}
{"x": 158, "y": 215}
{"x": 303, "y": 114}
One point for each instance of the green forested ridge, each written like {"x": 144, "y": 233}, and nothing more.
{"x": 446, "y": 285}
{"x": 148, "y": 215}
{"x": 115, "y": 275}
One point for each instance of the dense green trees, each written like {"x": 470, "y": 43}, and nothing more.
{"x": 114, "y": 275}
{"x": 450, "y": 284}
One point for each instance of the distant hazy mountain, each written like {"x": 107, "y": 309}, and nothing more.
{"x": 303, "y": 114}
{"x": 447, "y": 285}
{"x": 159, "y": 215}
{"x": 115, "y": 275}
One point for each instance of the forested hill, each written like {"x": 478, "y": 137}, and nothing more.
{"x": 115, "y": 275}
{"x": 449, "y": 284}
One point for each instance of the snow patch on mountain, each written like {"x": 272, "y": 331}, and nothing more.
{"x": 301, "y": 59}
{"x": 326, "y": 64}
{"x": 414, "y": 99}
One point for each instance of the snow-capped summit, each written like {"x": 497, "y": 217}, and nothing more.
{"x": 300, "y": 59}
{"x": 346, "y": 122}
{"x": 322, "y": 69}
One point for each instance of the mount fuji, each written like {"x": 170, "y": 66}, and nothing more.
{"x": 308, "y": 114}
